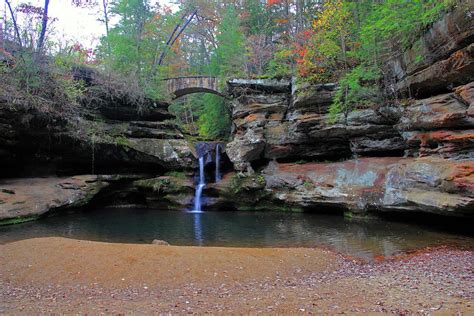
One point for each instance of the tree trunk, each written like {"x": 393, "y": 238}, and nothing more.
{"x": 44, "y": 25}
{"x": 2, "y": 41}
{"x": 157, "y": 61}
{"x": 176, "y": 37}
{"x": 105, "y": 4}
{"x": 15, "y": 25}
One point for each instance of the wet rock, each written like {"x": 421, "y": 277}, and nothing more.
{"x": 241, "y": 192}
{"x": 209, "y": 149}
{"x": 36, "y": 196}
{"x": 175, "y": 192}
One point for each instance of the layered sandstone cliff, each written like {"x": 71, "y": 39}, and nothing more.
{"x": 415, "y": 155}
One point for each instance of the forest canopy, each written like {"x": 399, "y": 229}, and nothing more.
{"x": 144, "y": 42}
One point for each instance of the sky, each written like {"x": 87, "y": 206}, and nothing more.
{"x": 77, "y": 24}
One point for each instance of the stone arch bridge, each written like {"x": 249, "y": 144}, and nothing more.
{"x": 181, "y": 86}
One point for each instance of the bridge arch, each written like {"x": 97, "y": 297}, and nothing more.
{"x": 181, "y": 86}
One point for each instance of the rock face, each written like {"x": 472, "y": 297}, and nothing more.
{"x": 443, "y": 56}
{"x": 278, "y": 125}
{"x": 432, "y": 185}
{"x": 174, "y": 192}
{"x": 385, "y": 184}
{"x": 285, "y": 132}
{"x": 418, "y": 155}
{"x": 29, "y": 198}
{"x": 94, "y": 141}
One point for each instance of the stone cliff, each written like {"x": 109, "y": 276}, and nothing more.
{"x": 412, "y": 155}
{"x": 107, "y": 134}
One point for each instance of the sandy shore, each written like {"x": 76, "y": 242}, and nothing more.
{"x": 69, "y": 276}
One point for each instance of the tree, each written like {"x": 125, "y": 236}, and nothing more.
{"x": 44, "y": 25}
{"x": 15, "y": 24}
{"x": 214, "y": 120}
{"x": 228, "y": 59}
{"x": 105, "y": 12}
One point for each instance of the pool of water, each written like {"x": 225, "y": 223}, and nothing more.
{"x": 362, "y": 238}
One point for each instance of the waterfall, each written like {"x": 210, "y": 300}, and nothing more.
{"x": 218, "y": 162}
{"x": 199, "y": 187}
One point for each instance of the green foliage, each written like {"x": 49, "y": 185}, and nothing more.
{"x": 349, "y": 44}
{"x": 156, "y": 185}
{"x": 229, "y": 57}
{"x": 280, "y": 65}
{"x": 308, "y": 185}
{"x": 17, "y": 220}
{"x": 239, "y": 183}
{"x": 227, "y": 61}
{"x": 31, "y": 80}
{"x": 236, "y": 183}
{"x": 301, "y": 162}
{"x": 135, "y": 42}
{"x": 27, "y": 73}
{"x": 176, "y": 174}
{"x": 214, "y": 120}
{"x": 357, "y": 89}
{"x": 122, "y": 141}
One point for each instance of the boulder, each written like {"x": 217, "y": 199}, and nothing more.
{"x": 245, "y": 148}
{"x": 159, "y": 242}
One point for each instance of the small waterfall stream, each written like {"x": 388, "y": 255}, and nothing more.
{"x": 200, "y": 186}
{"x": 202, "y": 178}
{"x": 218, "y": 162}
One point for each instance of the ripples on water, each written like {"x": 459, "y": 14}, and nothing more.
{"x": 363, "y": 238}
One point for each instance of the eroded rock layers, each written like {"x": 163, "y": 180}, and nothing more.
{"x": 415, "y": 155}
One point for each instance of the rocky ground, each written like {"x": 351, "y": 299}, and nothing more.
{"x": 68, "y": 276}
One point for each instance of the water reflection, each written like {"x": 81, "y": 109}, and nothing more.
{"x": 198, "y": 229}
{"x": 244, "y": 229}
